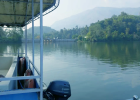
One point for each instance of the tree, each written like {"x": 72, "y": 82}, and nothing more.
{"x": 127, "y": 31}
{"x": 80, "y": 37}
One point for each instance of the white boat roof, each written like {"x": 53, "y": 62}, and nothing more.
{"x": 19, "y": 12}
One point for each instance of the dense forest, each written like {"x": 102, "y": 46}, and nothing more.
{"x": 46, "y": 30}
{"x": 11, "y": 34}
{"x": 116, "y": 28}
{"x": 122, "y": 27}
{"x": 91, "y": 16}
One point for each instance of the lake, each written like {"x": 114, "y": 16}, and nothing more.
{"x": 96, "y": 71}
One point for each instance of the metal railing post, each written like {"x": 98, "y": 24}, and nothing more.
{"x": 33, "y": 33}
{"x": 26, "y": 41}
{"x": 41, "y": 49}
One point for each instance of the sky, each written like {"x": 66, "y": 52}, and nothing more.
{"x": 68, "y": 8}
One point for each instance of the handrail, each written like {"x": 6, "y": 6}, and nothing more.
{"x": 19, "y": 91}
{"x": 34, "y": 67}
{"x": 18, "y": 78}
{"x": 12, "y": 53}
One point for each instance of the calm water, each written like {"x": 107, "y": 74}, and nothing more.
{"x": 96, "y": 71}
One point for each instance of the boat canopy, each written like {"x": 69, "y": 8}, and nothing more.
{"x": 19, "y": 12}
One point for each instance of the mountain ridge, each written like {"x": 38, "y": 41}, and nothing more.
{"x": 46, "y": 30}
{"x": 91, "y": 16}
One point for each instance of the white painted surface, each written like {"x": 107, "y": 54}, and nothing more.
{"x": 3, "y": 72}
{"x": 5, "y": 63}
{"x": 9, "y": 64}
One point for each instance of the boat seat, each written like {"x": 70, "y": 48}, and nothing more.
{"x": 23, "y": 96}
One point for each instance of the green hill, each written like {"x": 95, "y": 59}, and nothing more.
{"x": 121, "y": 27}
{"x": 118, "y": 27}
{"x": 92, "y": 16}
{"x": 46, "y": 30}
{"x": 37, "y": 30}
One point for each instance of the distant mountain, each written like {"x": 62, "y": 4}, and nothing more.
{"x": 92, "y": 16}
{"x": 37, "y": 30}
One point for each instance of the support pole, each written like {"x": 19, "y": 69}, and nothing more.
{"x": 26, "y": 41}
{"x": 26, "y": 31}
{"x": 41, "y": 50}
{"x": 33, "y": 33}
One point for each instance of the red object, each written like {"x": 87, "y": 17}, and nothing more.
{"x": 22, "y": 66}
{"x": 29, "y": 83}
{"x": 28, "y": 72}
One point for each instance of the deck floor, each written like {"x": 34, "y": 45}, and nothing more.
{"x": 3, "y": 72}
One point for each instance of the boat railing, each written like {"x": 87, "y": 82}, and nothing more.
{"x": 11, "y": 53}
{"x": 27, "y": 90}
{"x": 34, "y": 67}
{"x": 44, "y": 9}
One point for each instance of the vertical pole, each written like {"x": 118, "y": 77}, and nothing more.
{"x": 33, "y": 33}
{"x": 41, "y": 49}
{"x": 26, "y": 41}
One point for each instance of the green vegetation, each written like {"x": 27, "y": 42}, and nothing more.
{"x": 46, "y": 30}
{"x": 75, "y": 33}
{"x": 11, "y": 35}
{"x": 117, "y": 28}
{"x": 121, "y": 27}
{"x": 92, "y": 16}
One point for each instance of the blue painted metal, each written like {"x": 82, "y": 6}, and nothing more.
{"x": 19, "y": 78}
{"x": 26, "y": 41}
{"x": 12, "y": 53}
{"x": 19, "y": 96}
{"x": 41, "y": 49}
{"x": 33, "y": 33}
{"x": 26, "y": 32}
{"x": 15, "y": 92}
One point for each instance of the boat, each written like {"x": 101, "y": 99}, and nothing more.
{"x": 19, "y": 77}
{"x": 135, "y": 97}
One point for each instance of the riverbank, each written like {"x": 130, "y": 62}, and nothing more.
{"x": 50, "y": 40}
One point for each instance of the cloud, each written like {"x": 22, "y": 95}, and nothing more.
{"x": 105, "y": 0}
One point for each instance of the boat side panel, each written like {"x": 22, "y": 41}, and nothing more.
{"x": 23, "y": 96}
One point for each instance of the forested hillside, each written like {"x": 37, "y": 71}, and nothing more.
{"x": 121, "y": 27}
{"x": 46, "y": 30}
{"x": 91, "y": 16}
{"x": 116, "y": 28}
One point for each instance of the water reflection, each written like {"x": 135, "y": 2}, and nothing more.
{"x": 103, "y": 71}
{"x": 121, "y": 53}
{"x": 10, "y": 48}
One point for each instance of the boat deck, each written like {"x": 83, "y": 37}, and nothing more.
{"x": 3, "y": 72}
{"x": 5, "y": 64}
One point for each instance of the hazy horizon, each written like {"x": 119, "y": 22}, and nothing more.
{"x": 68, "y": 8}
